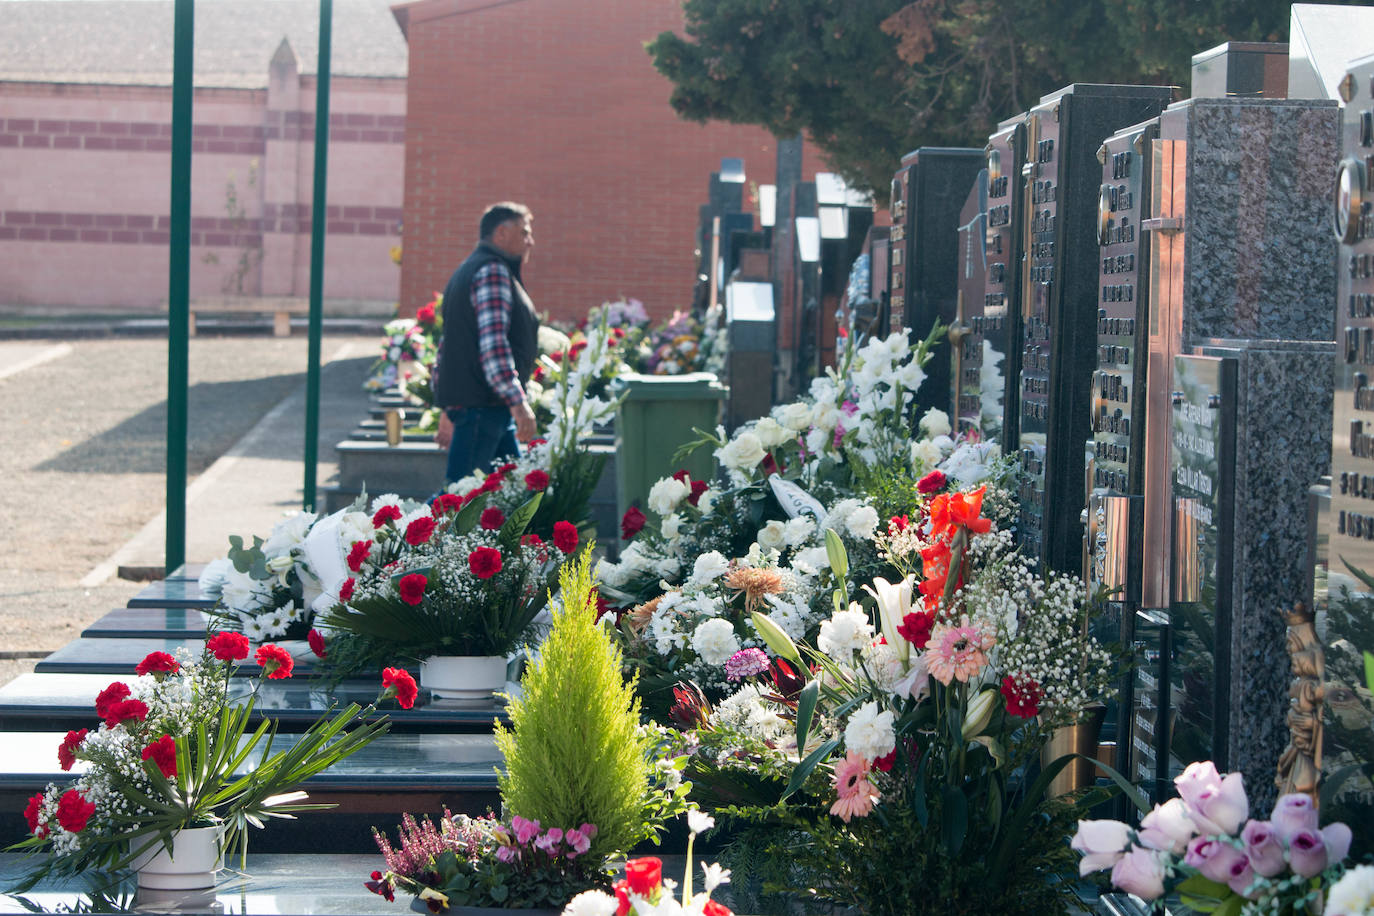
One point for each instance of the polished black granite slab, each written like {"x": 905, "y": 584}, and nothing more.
{"x": 121, "y": 656}
{"x": 67, "y": 701}
{"x": 374, "y": 787}
{"x": 149, "y": 623}
{"x": 172, "y": 593}
{"x": 391, "y": 761}
{"x": 327, "y": 885}
{"x": 285, "y": 884}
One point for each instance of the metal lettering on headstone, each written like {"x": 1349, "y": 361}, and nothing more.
{"x": 1348, "y": 529}
{"x": 977, "y": 365}
{"x": 1058, "y": 305}
{"x": 1006, "y": 154}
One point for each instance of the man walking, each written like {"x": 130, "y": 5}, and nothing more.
{"x": 489, "y": 347}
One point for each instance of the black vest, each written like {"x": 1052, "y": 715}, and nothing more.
{"x": 461, "y": 382}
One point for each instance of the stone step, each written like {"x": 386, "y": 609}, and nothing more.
{"x": 67, "y": 702}
{"x": 121, "y": 656}
{"x": 408, "y": 468}
{"x": 172, "y": 593}
{"x": 149, "y": 623}
{"x": 395, "y": 774}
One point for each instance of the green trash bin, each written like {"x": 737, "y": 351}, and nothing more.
{"x": 655, "y": 419}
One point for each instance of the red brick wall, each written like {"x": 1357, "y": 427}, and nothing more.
{"x": 555, "y": 103}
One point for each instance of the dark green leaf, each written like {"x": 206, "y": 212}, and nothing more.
{"x": 806, "y": 708}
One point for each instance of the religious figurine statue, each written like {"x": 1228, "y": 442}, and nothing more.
{"x": 1300, "y": 764}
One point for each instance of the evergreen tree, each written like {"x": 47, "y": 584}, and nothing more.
{"x": 574, "y": 752}
{"x": 870, "y": 80}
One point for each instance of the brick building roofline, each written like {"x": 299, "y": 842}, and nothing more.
{"x": 425, "y": 10}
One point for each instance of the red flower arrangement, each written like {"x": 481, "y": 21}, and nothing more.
{"x": 276, "y": 662}
{"x": 385, "y": 514}
{"x": 227, "y": 647}
{"x": 397, "y": 682}
{"x": 66, "y": 754}
{"x": 631, "y": 523}
{"x": 485, "y": 562}
{"x": 420, "y": 530}
{"x": 412, "y": 588}
{"x": 163, "y": 752}
{"x": 565, "y": 536}
{"x": 158, "y": 663}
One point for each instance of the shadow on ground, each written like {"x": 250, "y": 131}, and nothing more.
{"x": 218, "y": 415}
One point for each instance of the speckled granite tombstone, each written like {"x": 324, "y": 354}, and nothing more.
{"x": 1243, "y": 267}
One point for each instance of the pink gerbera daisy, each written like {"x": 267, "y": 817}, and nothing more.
{"x": 958, "y": 652}
{"x": 856, "y": 793}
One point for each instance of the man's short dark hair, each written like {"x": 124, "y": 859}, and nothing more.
{"x": 500, "y": 213}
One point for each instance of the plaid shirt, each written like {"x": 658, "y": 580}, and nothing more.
{"x": 492, "y": 297}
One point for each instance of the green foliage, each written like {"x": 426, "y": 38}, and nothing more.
{"x": 824, "y": 860}
{"x": 574, "y": 752}
{"x": 871, "y": 81}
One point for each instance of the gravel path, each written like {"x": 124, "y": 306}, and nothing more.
{"x": 84, "y": 457}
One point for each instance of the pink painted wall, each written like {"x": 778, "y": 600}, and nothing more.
{"x": 85, "y": 185}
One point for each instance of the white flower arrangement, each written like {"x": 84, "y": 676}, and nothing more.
{"x": 267, "y": 590}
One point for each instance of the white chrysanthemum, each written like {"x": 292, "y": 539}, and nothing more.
{"x": 1353, "y": 895}
{"x": 707, "y": 568}
{"x": 845, "y": 633}
{"x": 748, "y": 711}
{"x": 288, "y": 534}
{"x": 770, "y": 536}
{"x": 811, "y": 561}
{"x": 862, "y": 522}
{"x": 591, "y": 903}
{"x": 665, "y": 495}
{"x": 798, "y": 530}
{"x": 838, "y": 516}
{"x": 386, "y": 499}
{"x": 715, "y": 641}
{"x": 868, "y": 732}
{"x": 791, "y": 614}
{"x": 825, "y": 416}
{"x": 671, "y": 527}
{"x": 741, "y": 453}
{"x": 706, "y": 502}
{"x": 668, "y": 567}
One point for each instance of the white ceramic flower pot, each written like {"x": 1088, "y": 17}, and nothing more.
{"x": 470, "y": 678}
{"x": 191, "y": 864}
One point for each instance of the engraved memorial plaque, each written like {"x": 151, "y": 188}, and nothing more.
{"x": 1203, "y": 437}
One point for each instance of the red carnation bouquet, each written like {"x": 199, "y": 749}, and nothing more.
{"x": 473, "y": 586}
{"x": 170, "y": 749}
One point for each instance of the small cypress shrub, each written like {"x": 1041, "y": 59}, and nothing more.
{"x": 574, "y": 752}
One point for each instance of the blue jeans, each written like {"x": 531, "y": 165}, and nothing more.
{"x": 480, "y": 436}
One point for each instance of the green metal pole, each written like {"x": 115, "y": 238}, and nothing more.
{"x": 179, "y": 280}
{"x": 317, "y": 224}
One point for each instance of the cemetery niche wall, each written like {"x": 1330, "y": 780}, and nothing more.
{"x": 1006, "y": 154}
{"x": 1058, "y": 299}
{"x": 1345, "y": 533}
{"x": 1236, "y": 255}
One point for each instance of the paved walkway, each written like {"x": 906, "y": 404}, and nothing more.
{"x": 261, "y": 478}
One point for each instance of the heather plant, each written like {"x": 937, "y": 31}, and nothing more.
{"x": 575, "y": 751}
